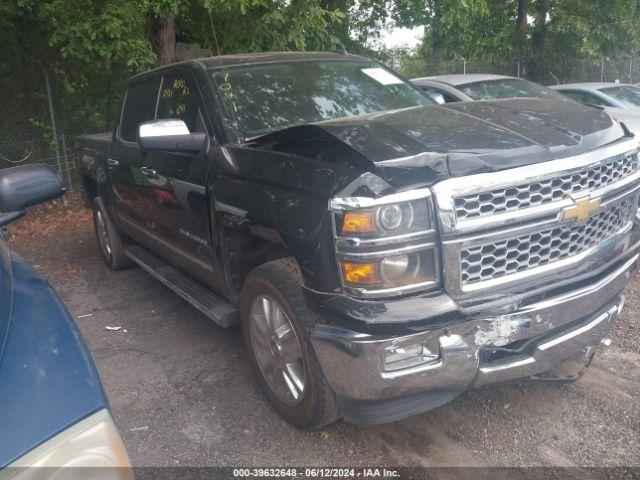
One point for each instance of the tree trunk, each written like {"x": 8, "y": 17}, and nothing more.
{"x": 436, "y": 35}
{"x": 540, "y": 26}
{"x": 521, "y": 29}
{"x": 540, "y": 29}
{"x": 521, "y": 21}
{"x": 164, "y": 40}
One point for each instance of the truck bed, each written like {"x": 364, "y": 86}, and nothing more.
{"x": 95, "y": 138}
{"x": 91, "y": 153}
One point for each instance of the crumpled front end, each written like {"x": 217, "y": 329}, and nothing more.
{"x": 379, "y": 379}
{"x": 535, "y": 260}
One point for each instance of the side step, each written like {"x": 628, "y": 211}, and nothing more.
{"x": 209, "y": 303}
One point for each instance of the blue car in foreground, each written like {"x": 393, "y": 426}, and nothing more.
{"x": 53, "y": 410}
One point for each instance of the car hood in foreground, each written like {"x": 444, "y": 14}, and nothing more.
{"x": 48, "y": 381}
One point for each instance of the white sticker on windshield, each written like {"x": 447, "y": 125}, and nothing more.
{"x": 381, "y": 76}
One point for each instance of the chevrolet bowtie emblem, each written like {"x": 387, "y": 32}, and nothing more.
{"x": 582, "y": 209}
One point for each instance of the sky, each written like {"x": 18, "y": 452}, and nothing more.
{"x": 402, "y": 37}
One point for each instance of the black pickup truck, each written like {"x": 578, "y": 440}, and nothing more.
{"x": 382, "y": 253}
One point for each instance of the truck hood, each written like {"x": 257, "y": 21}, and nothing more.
{"x": 426, "y": 143}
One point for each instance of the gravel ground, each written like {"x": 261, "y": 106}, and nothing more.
{"x": 182, "y": 393}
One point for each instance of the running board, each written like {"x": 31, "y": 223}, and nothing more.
{"x": 209, "y": 303}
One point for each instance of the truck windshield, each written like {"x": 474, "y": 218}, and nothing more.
{"x": 508, "y": 88}
{"x": 264, "y": 98}
{"x": 628, "y": 95}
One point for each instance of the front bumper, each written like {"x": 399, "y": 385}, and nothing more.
{"x": 487, "y": 349}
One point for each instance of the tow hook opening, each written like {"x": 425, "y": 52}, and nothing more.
{"x": 570, "y": 370}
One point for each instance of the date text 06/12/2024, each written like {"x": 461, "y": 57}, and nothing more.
{"x": 316, "y": 472}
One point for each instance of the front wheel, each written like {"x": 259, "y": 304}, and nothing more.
{"x": 275, "y": 326}
{"x": 109, "y": 239}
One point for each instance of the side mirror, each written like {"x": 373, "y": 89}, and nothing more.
{"x": 24, "y": 186}
{"x": 170, "y": 135}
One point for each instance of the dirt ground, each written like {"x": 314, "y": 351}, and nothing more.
{"x": 182, "y": 393}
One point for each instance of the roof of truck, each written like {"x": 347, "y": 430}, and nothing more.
{"x": 259, "y": 58}
{"x": 268, "y": 57}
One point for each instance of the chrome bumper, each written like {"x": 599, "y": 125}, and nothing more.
{"x": 529, "y": 341}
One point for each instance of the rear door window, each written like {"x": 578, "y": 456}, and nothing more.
{"x": 179, "y": 98}
{"x": 139, "y": 106}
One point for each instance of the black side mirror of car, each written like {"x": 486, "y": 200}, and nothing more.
{"x": 24, "y": 186}
{"x": 170, "y": 135}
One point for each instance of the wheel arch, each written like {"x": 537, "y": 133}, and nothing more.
{"x": 246, "y": 250}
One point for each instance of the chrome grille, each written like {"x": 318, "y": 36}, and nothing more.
{"x": 541, "y": 192}
{"x": 498, "y": 259}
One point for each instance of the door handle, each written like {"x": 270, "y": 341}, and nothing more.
{"x": 112, "y": 162}
{"x": 149, "y": 172}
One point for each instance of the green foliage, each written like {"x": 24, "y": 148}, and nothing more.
{"x": 102, "y": 34}
{"x": 91, "y": 47}
{"x": 265, "y": 25}
{"x": 561, "y": 38}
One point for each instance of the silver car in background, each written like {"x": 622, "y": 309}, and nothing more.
{"x": 621, "y": 101}
{"x": 607, "y": 95}
{"x": 474, "y": 87}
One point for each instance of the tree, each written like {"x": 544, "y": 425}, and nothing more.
{"x": 91, "y": 47}
{"x": 521, "y": 30}
{"x": 546, "y": 37}
{"x": 163, "y": 15}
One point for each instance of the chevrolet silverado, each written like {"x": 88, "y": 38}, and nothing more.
{"x": 382, "y": 253}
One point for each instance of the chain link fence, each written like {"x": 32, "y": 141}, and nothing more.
{"x": 30, "y": 130}
{"x": 623, "y": 70}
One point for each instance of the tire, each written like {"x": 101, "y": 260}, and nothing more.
{"x": 280, "y": 281}
{"x": 109, "y": 239}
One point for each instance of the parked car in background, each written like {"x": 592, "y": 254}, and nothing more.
{"x": 621, "y": 101}
{"x": 479, "y": 86}
{"x": 53, "y": 411}
{"x": 606, "y": 95}
{"x": 382, "y": 254}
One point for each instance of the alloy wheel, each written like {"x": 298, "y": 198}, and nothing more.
{"x": 277, "y": 349}
{"x": 103, "y": 236}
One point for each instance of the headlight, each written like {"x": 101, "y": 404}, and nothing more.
{"x": 386, "y": 246}
{"x": 385, "y": 220}
{"x": 91, "y": 448}
{"x": 391, "y": 217}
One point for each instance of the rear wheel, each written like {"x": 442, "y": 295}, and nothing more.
{"x": 276, "y": 325}
{"x": 110, "y": 240}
